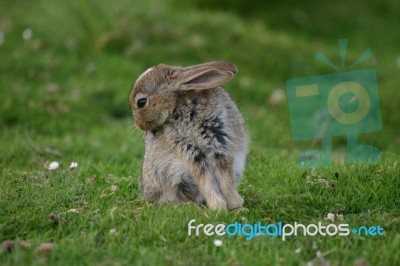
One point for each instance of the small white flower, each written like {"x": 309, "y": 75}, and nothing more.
{"x": 114, "y": 188}
{"x": 277, "y": 97}
{"x": 330, "y": 216}
{"x": 217, "y": 243}
{"x": 53, "y": 165}
{"x": 27, "y": 34}
{"x": 113, "y": 232}
{"x": 297, "y": 250}
{"x": 73, "y": 165}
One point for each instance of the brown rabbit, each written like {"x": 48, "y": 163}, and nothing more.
{"x": 195, "y": 137}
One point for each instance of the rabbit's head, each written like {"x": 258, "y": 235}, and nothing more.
{"x": 154, "y": 95}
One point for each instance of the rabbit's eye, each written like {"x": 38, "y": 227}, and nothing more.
{"x": 141, "y": 102}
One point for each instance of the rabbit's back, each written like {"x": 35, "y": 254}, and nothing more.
{"x": 209, "y": 120}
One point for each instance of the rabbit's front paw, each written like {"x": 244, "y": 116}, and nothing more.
{"x": 217, "y": 203}
{"x": 234, "y": 202}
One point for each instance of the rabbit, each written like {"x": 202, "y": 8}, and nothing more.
{"x": 195, "y": 137}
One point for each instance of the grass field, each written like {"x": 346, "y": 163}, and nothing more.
{"x": 66, "y": 70}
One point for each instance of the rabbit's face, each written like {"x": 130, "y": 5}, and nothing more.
{"x": 155, "y": 93}
{"x": 151, "y": 99}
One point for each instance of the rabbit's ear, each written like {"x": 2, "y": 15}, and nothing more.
{"x": 205, "y": 76}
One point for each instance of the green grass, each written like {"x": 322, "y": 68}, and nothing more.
{"x": 64, "y": 97}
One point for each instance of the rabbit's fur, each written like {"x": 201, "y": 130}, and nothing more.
{"x": 195, "y": 138}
